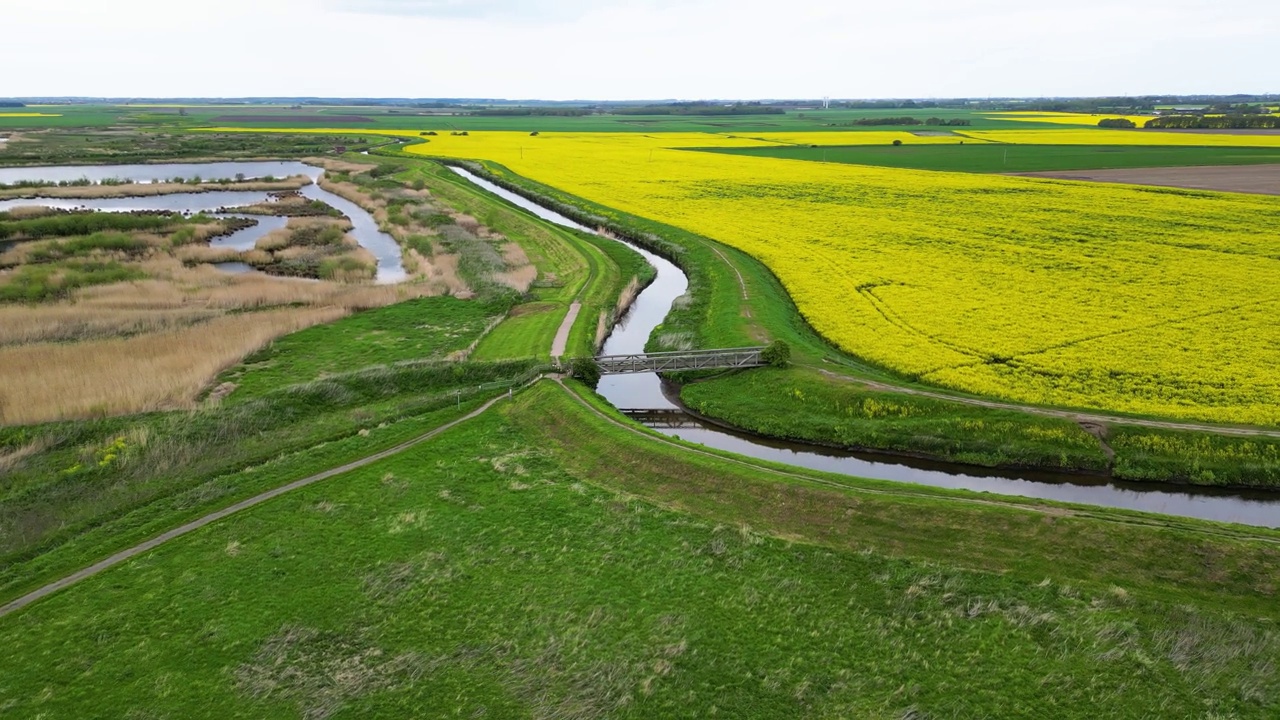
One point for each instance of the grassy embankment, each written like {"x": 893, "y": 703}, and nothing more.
{"x": 717, "y": 315}
{"x": 542, "y": 561}
{"x": 572, "y": 267}
{"x": 74, "y": 492}
{"x": 1006, "y": 158}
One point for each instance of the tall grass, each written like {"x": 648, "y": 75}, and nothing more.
{"x": 48, "y": 381}
{"x": 66, "y": 322}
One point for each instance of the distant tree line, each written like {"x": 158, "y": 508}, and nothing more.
{"x": 698, "y": 108}
{"x": 538, "y": 112}
{"x": 878, "y": 121}
{"x": 1120, "y": 123}
{"x": 1222, "y": 122}
{"x": 11, "y": 104}
{"x": 887, "y": 104}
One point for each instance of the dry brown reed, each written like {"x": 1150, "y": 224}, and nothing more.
{"x": 207, "y": 287}
{"x": 48, "y": 381}
{"x": 514, "y": 256}
{"x": 518, "y": 279}
{"x": 206, "y": 254}
{"x": 335, "y": 165}
{"x": 64, "y": 322}
{"x": 11, "y": 460}
{"x": 29, "y": 212}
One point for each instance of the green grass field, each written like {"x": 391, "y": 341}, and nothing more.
{"x": 415, "y": 330}
{"x": 540, "y": 562}
{"x": 527, "y": 333}
{"x": 998, "y": 158}
{"x": 802, "y": 404}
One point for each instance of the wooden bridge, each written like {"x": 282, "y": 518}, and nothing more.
{"x": 669, "y": 418}
{"x": 681, "y": 360}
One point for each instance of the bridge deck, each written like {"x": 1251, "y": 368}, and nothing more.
{"x": 727, "y": 358}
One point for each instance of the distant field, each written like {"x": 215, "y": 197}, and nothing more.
{"x": 1001, "y": 158}
{"x": 405, "y": 118}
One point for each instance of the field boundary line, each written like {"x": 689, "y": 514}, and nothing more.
{"x": 1073, "y": 415}
{"x": 148, "y": 545}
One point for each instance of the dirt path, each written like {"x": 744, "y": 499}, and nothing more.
{"x": 1084, "y": 418}
{"x": 213, "y": 517}
{"x": 562, "y": 335}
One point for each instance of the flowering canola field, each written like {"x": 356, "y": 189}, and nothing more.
{"x": 1141, "y": 300}
{"x": 1065, "y": 118}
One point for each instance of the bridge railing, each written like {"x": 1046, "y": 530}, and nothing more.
{"x": 726, "y": 358}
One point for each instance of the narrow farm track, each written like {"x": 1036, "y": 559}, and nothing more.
{"x": 213, "y": 517}
{"x": 561, "y": 340}
{"x": 1170, "y": 522}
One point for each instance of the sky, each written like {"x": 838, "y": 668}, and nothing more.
{"x": 637, "y": 49}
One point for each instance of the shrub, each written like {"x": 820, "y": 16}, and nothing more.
{"x": 778, "y": 354}
{"x": 586, "y": 370}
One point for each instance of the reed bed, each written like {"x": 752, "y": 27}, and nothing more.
{"x": 52, "y": 381}
{"x": 65, "y": 322}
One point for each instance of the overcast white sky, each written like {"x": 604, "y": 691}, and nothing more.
{"x": 637, "y": 49}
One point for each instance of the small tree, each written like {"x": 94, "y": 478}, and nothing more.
{"x": 778, "y": 354}
{"x": 586, "y": 371}
{"x": 897, "y": 143}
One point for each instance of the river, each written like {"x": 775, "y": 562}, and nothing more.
{"x": 365, "y": 229}
{"x": 639, "y": 395}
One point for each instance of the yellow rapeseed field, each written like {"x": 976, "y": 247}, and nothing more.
{"x": 1064, "y": 118}
{"x": 1143, "y": 300}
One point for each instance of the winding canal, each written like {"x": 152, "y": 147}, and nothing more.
{"x": 635, "y": 394}
{"x": 365, "y": 229}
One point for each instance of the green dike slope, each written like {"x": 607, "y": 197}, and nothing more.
{"x": 510, "y": 568}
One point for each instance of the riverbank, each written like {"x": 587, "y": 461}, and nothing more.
{"x": 150, "y": 189}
